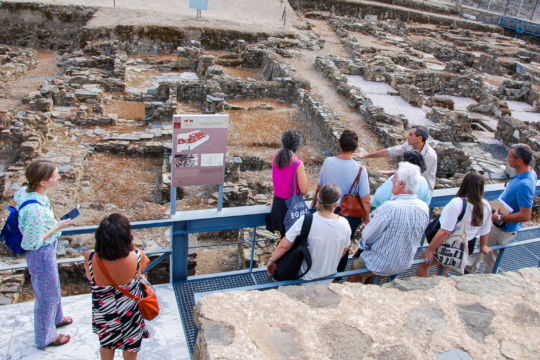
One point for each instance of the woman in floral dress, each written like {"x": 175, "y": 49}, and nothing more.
{"x": 116, "y": 318}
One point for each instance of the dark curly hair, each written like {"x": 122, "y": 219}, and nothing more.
{"x": 348, "y": 141}
{"x": 291, "y": 140}
{"x": 415, "y": 158}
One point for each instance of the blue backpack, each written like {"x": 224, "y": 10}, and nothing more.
{"x": 11, "y": 233}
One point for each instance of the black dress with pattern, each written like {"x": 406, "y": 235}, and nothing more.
{"x": 116, "y": 318}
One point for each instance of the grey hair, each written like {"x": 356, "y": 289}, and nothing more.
{"x": 291, "y": 140}
{"x": 422, "y": 131}
{"x": 523, "y": 152}
{"x": 329, "y": 196}
{"x": 410, "y": 174}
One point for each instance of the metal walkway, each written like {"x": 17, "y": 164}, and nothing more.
{"x": 514, "y": 258}
{"x": 519, "y": 26}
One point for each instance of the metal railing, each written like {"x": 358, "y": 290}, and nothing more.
{"x": 519, "y": 26}
{"x": 500, "y": 248}
{"x": 189, "y": 222}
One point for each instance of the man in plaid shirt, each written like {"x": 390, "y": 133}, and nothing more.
{"x": 392, "y": 236}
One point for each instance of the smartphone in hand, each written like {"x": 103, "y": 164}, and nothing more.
{"x": 71, "y": 215}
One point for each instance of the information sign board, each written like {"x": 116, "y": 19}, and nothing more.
{"x": 199, "y": 148}
{"x": 198, "y": 4}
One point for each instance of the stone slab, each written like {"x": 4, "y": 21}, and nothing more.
{"x": 454, "y": 354}
{"x": 477, "y": 319}
{"x": 440, "y": 322}
{"x": 491, "y": 284}
{"x": 414, "y": 283}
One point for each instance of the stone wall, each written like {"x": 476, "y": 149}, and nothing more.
{"x": 15, "y": 62}
{"x": 390, "y": 129}
{"x": 462, "y": 317}
{"x": 517, "y": 91}
{"x": 441, "y": 83}
{"x": 165, "y": 39}
{"x": 450, "y": 159}
{"x": 357, "y": 9}
{"x": 323, "y": 116}
{"x": 53, "y": 27}
{"x": 512, "y": 131}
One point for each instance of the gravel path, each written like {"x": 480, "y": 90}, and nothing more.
{"x": 319, "y": 85}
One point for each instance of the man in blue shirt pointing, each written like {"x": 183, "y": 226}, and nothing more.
{"x": 519, "y": 194}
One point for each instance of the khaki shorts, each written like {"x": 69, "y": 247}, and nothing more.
{"x": 360, "y": 264}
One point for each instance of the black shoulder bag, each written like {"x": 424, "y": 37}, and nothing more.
{"x": 435, "y": 225}
{"x": 288, "y": 266}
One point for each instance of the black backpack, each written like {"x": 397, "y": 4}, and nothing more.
{"x": 288, "y": 266}
{"x": 435, "y": 225}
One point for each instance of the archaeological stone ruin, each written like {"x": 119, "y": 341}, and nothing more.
{"x": 94, "y": 88}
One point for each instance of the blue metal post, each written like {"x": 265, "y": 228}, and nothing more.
{"x": 173, "y": 200}
{"x": 179, "y": 255}
{"x": 220, "y": 198}
{"x": 441, "y": 271}
{"x": 498, "y": 261}
{"x": 376, "y": 280}
{"x": 252, "y": 249}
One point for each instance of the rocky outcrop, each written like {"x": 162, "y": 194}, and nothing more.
{"x": 464, "y": 317}
{"x": 490, "y": 105}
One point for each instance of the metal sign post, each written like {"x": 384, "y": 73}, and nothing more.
{"x": 220, "y": 198}
{"x": 198, "y": 5}
{"x": 519, "y": 11}
{"x": 198, "y": 152}
{"x": 173, "y": 200}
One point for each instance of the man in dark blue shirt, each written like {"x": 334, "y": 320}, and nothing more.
{"x": 519, "y": 194}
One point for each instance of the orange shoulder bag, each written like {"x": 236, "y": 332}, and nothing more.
{"x": 351, "y": 205}
{"x": 148, "y": 305}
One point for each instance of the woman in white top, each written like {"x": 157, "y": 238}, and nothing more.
{"x": 328, "y": 240}
{"x": 477, "y": 215}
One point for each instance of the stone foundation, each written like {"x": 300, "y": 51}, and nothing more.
{"x": 464, "y": 317}
{"x": 54, "y": 27}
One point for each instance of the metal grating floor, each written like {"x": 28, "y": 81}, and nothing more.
{"x": 514, "y": 259}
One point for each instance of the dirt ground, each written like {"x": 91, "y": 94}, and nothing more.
{"x": 243, "y": 15}
{"x": 13, "y": 91}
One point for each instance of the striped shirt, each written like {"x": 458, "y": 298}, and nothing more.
{"x": 35, "y": 220}
{"x": 392, "y": 236}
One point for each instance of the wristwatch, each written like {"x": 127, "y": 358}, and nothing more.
{"x": 270, "y": 262}
{"x": 499, "y": 220}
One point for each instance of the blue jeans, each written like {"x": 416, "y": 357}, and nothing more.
{"x": 354, "y": 222}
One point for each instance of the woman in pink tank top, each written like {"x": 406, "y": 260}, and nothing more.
{"x": 282, "y": 176}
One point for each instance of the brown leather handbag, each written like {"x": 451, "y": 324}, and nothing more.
{"x": 351, "y": 205}
{"x": 148, "y": 305}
